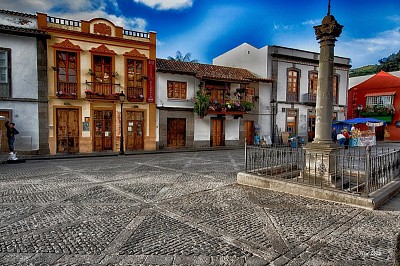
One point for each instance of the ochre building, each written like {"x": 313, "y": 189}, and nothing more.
{"x": 90, "y": 63}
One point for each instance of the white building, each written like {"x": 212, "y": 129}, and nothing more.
{"x": 295, "y": 78}
{"x": 226, "y": 123}
{"x": 23, "y": 81}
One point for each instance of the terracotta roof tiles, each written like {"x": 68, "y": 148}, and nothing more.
{"x": 206, "y": 71}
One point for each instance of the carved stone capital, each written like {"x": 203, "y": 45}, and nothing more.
{"x": 329, "y": 29}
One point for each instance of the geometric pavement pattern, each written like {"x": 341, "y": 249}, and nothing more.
{"x": 181, "y": 208}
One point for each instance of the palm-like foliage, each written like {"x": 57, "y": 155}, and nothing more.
{"x": 185, "y": 58}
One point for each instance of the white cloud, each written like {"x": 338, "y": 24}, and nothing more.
{"x": 367, "y": 51}
{"x": 166, "y": 4}
{"x": 312, "y": 22}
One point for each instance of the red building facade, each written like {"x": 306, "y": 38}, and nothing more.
{"x": 378, "y": 97}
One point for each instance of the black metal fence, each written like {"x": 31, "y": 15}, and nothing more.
{"x": 358, "y": 170}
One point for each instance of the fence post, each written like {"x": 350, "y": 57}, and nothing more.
{"x": 245, "y": 153}
{"x": 367, "y": 168}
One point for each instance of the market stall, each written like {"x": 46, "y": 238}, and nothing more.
{"x": 365, "y": 136}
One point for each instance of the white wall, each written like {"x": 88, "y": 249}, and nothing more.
{"x": 232, "y": 128}
{"x": 23, "y": 65}
{"x": 24, "y": 84}
{"x": 245, "y": 56}
{"x": 202, "y": 128}
{"x": 161, "y": 90}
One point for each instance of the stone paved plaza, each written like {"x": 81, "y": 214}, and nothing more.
{"x": 177, "y": 209}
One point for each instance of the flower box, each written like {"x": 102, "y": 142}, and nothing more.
{"x": 133, "y": 99}
{"x": 103, "y": 97}
{"x": 66, "y": 96}
{"x": 387, "y": 117}
{"x": 226, "y": 112}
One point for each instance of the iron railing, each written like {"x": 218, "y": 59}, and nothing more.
{"x": 358, "y": 170}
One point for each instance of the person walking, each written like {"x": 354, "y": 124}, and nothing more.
{"x": 11, "y": 132}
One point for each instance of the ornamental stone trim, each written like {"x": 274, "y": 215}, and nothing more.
{"x": 67, "y": 44}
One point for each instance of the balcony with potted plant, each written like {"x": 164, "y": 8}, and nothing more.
{"x": 381, "y": 112}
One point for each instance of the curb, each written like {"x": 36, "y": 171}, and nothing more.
{"x": 112, "y": 154}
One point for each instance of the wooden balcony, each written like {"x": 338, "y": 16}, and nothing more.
{"x": 67, "y": 90}
{"x": 292, "y": 97}
{"x": 101, "y": 90}
{"x": 310, "y": 98}
{"x": 135, "y": 94}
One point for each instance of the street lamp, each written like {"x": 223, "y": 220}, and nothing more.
{"x": 273, "y": 111}
{"x": 359, "y": 108}
{"x": 121, "y": 144}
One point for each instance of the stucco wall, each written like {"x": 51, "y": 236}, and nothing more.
{"x": 245, "y": 56}
{"x": 24, "y": 87}
{"x": 23, "y": 65}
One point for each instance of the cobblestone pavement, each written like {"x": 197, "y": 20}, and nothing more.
{"x": 177, "y": 209}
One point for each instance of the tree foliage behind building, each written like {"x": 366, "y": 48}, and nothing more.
{"x": 387, "y": 64}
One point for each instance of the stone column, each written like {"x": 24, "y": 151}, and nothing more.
{"x": 321, "y": 153}
{"x": 326, "y": 34}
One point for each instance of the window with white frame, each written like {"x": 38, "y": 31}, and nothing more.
{"x": 385, "y": 100}
{"x": 5, "y": 72}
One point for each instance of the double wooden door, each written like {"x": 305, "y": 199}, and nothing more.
{"x": 176, "y": 132}
{"x": 3, "y": 131}
{"x": 135, "y": 129}
{"x": 217, "y": 132}
{"x": 67, "y": 130}
{"x": 103, "y": 124}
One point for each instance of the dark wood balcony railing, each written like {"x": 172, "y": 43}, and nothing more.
{"x": 67, "y": 88}
{"x": 135, "y": 94}
{"x": 292, "y": 97}
{"x": 310, "y": 98}
{"x": 102, "y": 88}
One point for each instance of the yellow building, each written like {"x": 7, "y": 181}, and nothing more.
{"x": 90, "y": 63}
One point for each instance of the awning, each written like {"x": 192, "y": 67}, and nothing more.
{"x": 386, "y": 93}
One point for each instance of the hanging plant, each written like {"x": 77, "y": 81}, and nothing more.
{"x": 90, "y": 72}
{"x": 202, "y": 101}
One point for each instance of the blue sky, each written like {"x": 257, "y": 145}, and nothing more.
{"x": 208, "y": 28}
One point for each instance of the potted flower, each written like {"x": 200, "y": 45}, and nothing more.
{"x": 202, "y": 101}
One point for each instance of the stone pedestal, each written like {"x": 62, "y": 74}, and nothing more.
{"x": 321, "y": 161}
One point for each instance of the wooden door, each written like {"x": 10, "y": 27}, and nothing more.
{"x": 217, "y": 132}
{"x": 291, "y": 122}
{"x": 103, "y": 125}
{"x": 249, "y": 131}
{"x": 311, "y": 127}
{"x": 67, "y": 130}
{"x": 3, "y": 131}
{"x": 176, "y": 132}
{"x": 135, "y": 129}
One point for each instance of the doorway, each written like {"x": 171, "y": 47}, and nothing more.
{"x": 311, "y": 127}
{"x": 217, "y": 132}
{"x": 103, "y": 124}
{"x": 3, "y": 131}
{"x": 67, "y": 130}
{"x": 249, "y": 131}
{"x": 134, "y": 137}
{"x": 176, "y": 132}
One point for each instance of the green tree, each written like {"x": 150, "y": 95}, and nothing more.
{"x": 180, "y": 58}
{"x": 387, "y": 64}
